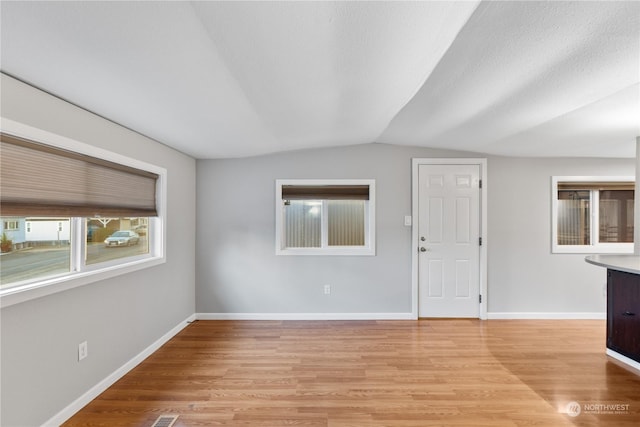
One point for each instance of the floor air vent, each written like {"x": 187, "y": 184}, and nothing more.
{"x": 165, "y": 421}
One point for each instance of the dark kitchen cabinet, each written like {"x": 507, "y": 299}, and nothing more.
{"x": 623, "y": 313}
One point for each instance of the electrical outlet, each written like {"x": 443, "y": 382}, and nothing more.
{"x": 327, "y": 289}
{"x": 83, "y": 350}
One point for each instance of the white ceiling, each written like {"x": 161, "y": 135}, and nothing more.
{"x": 233, "y": 79}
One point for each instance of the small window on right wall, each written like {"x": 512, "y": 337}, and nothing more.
{"x": 592, "y": 214}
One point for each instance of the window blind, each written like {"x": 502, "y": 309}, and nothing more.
{"x": 596, "y": 185}
{"x": 325, "y": 192}
{"x": 41, "y": 180}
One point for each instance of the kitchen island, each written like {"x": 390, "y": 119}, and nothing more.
{"x": 623, "y": 306}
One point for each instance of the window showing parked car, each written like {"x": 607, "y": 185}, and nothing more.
{"x": 122, "y": 238}
{"x": 115, "y": 238}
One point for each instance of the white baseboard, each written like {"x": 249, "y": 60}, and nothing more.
{"x": 624, "y": 359}
{"x": 94, "y": 391}
{"x": 304, "y": 316}
{"x": 548, "y": 316}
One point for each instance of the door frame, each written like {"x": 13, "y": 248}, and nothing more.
{"x": 416, "y": 163}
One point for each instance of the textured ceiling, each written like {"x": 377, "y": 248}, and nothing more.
{"x": 230, "y": 79}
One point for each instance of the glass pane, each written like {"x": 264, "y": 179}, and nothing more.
{"x": 616, "y": 216}
{"x": 346, "y": 222}
{"x": 34, "y": 248}
{"x": 302, "y": 223}
{"x": 574, "y": 215}
{"x": 115, "y": 238}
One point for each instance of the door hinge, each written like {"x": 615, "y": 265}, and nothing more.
{"x": 480, "y": 183}
{"x": 480, "y": 241}
{"x": 480, "y": 299}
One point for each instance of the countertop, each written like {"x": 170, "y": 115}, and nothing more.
{"x": 626, "y": 263}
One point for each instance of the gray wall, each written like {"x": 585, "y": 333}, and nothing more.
{"x": 237, "y": 270}
{"x": 524, "y": 276}
{"x": 118, "y": 317}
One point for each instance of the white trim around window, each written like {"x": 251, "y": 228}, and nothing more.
{"x": 595, "y": 246}
{"x": 80, "y": 274}
{"x": 369, "y": 247}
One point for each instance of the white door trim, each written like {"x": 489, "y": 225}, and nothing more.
{"x": 482, "y": 162}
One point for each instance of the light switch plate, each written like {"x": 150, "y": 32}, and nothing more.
{"x": 83, "y": 350}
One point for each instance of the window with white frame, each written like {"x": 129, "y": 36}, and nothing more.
{"x": 11, "y": 225}
{"x": 325, "y": 217}
{"x": 85, "y": 216}
{"x": 592, "y": 214}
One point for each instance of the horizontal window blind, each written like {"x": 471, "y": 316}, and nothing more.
{"x": 596, "y": 185}
{"x": 325, "y": 192}
{"x": 41, "y": 180}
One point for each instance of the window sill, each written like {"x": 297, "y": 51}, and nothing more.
{"x": 596, "y": 249}
{"x": 328, "y": 251}
{"x": 23, "y": 293}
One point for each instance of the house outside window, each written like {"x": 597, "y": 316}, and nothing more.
{"x": 592, "y": 214}
{"x": 79, "y": 214}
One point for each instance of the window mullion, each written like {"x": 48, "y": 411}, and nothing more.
{"x": 78, "y": 244}
{"x": 595, "y": 217}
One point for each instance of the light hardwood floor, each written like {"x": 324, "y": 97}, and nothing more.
{"x": 375, "y": 373}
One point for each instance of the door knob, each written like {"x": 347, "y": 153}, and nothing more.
{"x": 423, "y": 249}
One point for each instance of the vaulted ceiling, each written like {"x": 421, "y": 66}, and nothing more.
{"x": 233, "y": 79}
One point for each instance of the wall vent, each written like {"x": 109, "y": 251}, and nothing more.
{"x": 165, "y": 421}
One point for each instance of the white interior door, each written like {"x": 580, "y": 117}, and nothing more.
{"x": 449, "y": 240}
